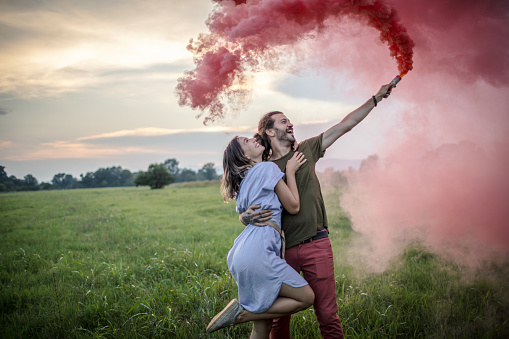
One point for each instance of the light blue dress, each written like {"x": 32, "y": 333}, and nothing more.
{"x": 254, "y": 260}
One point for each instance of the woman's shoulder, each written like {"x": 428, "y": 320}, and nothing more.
{"x": 265, "y": 170}
{"x": 265, "y": 167}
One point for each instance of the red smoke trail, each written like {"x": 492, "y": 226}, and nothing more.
{"x": 246, "y": 36}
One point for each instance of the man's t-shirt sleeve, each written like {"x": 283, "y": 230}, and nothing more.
{"x": 315, "y": 146}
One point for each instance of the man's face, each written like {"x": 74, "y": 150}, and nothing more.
{"x": 283, "y": 128}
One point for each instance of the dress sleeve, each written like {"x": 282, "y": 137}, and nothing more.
{"x": 269, "y": 175}
{"x": 258, "y": 184}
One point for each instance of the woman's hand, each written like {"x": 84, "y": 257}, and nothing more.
{"x": 288, "y": 192}
{"x": 295, "y": 162}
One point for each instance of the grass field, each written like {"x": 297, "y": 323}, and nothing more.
{"x": 140, "y": 263}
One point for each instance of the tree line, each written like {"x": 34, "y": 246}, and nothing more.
{"x": 157, "y": 176}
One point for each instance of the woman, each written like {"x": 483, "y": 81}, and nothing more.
{"x": 268, "y": 287}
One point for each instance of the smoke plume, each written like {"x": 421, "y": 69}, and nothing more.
{"x": 257, "y": 34}
{"x": 441, "y": 177}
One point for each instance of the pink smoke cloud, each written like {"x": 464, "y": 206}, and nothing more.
{"x": 452, "y": 198}
{"x": 442, "y": 175}
{"x": 257, "y": 31}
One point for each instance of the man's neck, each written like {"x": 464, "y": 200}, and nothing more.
{"x": 279, "y": 149}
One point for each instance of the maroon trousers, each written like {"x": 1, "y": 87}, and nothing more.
{"x": 315, "y": 260}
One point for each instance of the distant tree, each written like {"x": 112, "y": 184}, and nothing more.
{"x": 3, "y": 174}
{"x": 30, "y": 180}
{"x": 142, "y": 179}
{"x": 208, "y": 172}
{"x": 64, "y": 181}
{"x": 87, "y": 180}
{"x": 46, "y": 186}
{"x": 107, "y": 177}
{"x": 157, "y": 176}
{"x": 126, "y": 178}
{"x": 70, "y": 181}
{"x": 12, "y": 184}
{"x": 58, "y": 180}
{"x": 30, "y": 183}
{"x": 186, "y": 175}
{"x": 4, "y": 178}
{"x": 173, "y": 167}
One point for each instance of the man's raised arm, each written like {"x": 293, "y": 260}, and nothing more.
{"x": 353, "y": 118}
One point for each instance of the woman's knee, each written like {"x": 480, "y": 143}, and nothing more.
{"x": 304, "y": 295}
{"x": 308, "y": 296}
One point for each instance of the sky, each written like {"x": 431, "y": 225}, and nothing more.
{"x": 85, "y": 85}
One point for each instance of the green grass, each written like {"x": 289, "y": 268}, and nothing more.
{"x": 135, "y": 263}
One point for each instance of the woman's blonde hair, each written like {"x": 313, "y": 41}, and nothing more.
{"x": 235, "y": 167}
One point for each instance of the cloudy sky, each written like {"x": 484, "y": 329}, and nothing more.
{"x": 90, "y": 84}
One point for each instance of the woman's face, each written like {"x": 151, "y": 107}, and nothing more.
{"x": 252, "y": 149}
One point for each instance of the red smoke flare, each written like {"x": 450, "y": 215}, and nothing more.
{"x": 245, "y": 36}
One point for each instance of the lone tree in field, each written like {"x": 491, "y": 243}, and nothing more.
{"x": 157, "y": 176}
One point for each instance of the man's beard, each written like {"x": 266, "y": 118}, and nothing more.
{"x": 282, "y": 135}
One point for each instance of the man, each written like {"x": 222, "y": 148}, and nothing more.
{"x": 308, "y": 248}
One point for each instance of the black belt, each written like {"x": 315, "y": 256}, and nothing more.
{"x": 319, "y": 235}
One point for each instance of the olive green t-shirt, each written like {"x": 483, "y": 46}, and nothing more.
{"x": 311, "y": 217}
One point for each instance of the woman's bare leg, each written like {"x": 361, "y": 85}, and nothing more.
{"x": 290, "y": 300}
{"x": 261, "y": 329}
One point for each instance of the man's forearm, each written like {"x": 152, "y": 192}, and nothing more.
{"x": 348, "y": 122}
{"x": 354, "y": 118}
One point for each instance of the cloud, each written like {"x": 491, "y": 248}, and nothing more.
{"x": 4, "y": 111}
{"x": 156, "y": 131}
{"x": 206, "y": 144}
{"x": 149, "y": 140}
{"x": 72, "y": 150}
{"x": 61, "y": 47}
